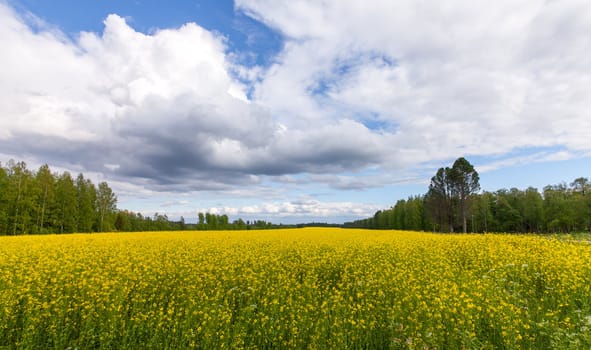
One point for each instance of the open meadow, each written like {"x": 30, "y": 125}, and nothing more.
{"x": 299, "y": 289}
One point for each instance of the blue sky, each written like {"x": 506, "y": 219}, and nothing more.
{"x": 244, "y": 34}
{"x": 294, "y": 111}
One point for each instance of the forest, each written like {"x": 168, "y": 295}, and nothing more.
{"x": 557, "y": 208}
{"x": 42, "y": 201}
{"x": 36, "y": 202}
{"x": 128, "y": 221}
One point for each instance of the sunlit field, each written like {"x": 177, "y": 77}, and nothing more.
{"x": 301, "y": 288}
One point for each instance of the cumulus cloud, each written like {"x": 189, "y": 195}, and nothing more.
{"x": 441, "y": 79}
{"x": 390, "y": 86}
{"x": 163, "y": 110}
{"x": 294, "y": 211}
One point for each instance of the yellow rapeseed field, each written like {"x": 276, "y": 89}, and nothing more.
{"x": 294, "y": 289}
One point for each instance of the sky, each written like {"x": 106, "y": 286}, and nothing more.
{"x": 295, "y": 111}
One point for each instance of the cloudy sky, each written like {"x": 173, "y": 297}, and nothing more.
{"x": 298, "y": 110}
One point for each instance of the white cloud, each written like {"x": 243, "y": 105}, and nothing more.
{"x": 297, "y": 209}
{"x": 162, "y": 110}
{"x": 537, "y": 157}
{"x": 452, "y": 78}
{"x": 390, "y": 87}
{"x": 175, "y": 203}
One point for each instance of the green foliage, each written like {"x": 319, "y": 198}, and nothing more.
{"x": 42, "y": 202}
{"x": 464, "y": 182}
{"x": 65, "y": 204}
{"x": 451, "y": 203}
{"x": 128, "y": 221}
{"x": 20, "y": 196}
{"x": 106, "y": 203}
{"x": 440, "y": 200}
{"x": 410, "y": 214}
{"x": 86, "y": 200}
{"x": 46, "y": 197}
{"x": 450, "y": 195}
{"x": 3, "y": 200}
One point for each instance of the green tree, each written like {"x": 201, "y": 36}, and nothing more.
{"x": 213, "y": 222}
{"x": 414, "y": 214}
{"x": 398, "y": 215}
{"x": 439, "y": 199}
{"x": 533, "y": 210}
{"x": 558, "y": 212}
{"x": 20, "y": 197}
{"x": 484, "y": 205}
{"x": 581, "y": 185}
{"x": 161, "y": 222}
{"x": 86, "y": 204}
{"x": 46, "y": 188}
{"x": 201, "y": 222}
{"x": 376, "y": 219}
{"x": 106, "y": 204}
{"x": 223, "y": 222}
{"x": 3, "y": 201}
{"x": 507, "y": 214}
{"x": 464, "y": 182}
{"x": 240, "y": 224}
{"x": 122, "y": 222}
{"x": 66, "y": 204}
{"x": 580, "y": 199}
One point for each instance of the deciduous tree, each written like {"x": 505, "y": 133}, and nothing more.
{"x": 106, "y": 203}
{"x": 86, "y": 195}
{"x": 46, "y": 196}
{"x": 66, "y": 204}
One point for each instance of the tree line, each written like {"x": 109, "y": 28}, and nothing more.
{"x": 128, "y": 221}
{"x": 454, "y": 203}
{"x": 45, "y": 202}
{"x": 37, "y": 202}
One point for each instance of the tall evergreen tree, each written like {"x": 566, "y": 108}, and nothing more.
{"x": 464, "y": 182}
{"x": 439, "y": 199}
